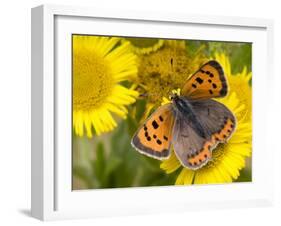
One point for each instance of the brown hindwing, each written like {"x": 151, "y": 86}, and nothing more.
{"x": 201, "y": 157}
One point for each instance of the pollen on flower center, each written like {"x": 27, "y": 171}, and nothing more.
{"x": 92, "y": 80}
{"x": 167, "y": 69}
{"x": 163, "y": 71}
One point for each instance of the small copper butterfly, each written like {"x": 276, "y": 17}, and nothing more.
{"x": 193, "y": 123}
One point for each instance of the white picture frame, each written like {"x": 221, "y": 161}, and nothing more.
{"x": 52, "y": 197}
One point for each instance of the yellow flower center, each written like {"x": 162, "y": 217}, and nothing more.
{"x": 92, "y": 80}
{"x": 163, "y": 71}
{"x": 166, "y": 69}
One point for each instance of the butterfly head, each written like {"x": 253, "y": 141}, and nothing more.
{"x": 175, "y": 94}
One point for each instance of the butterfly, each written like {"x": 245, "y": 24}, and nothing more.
{"x": 193, "y": 123}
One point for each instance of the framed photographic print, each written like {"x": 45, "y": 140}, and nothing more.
{"x": 144, "y": 113}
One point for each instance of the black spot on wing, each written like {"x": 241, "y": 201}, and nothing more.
{"x": 159, "y": 154}
{"x": 159, "y": 142}
{"x": 218, "y": 67}
{"x": 199, "y": 80}
{"x": 155, "y": 124}
{"x": 148, "y": 138}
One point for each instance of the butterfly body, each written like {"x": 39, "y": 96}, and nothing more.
{"x": 193, "y": 123}
{"x": 183, "y": 108}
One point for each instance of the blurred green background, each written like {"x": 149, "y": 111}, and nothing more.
{"x": 109, "y": 161}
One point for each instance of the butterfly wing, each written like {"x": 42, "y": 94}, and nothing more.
{"x": 215, "y": 118}
{"x": 189, "y": 147}
{"x": 208, "y": 82}
{"x": 192, "y": 150}
{"x": 154, "y": 137}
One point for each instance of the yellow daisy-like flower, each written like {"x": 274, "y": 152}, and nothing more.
{"x": 227, "y": 159}
{"x": 239, "y": 83}
{"x": 99, "y": 65}
{"x": 166, "y": 69}
{"x": 143, "y": 46}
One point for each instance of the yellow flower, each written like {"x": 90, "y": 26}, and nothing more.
{"x": 144, "y": 46}
{"x": 227, "y": 159}
{"x": 99, "y": 65}
{"x": 239, "y": 83}
{"x": 166, "y": 69}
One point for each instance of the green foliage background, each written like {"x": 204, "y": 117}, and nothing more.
{"x": 109, "y": 160}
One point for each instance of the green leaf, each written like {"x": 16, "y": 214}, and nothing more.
{"x": 245, "y": 176}
{"x": 140, "y": 109}
{"x": 132, "y": 125}
{"x": 150, "y": 163}
{"x": 241, "y": 56}
{"x": 84, "y": 174}
{"x": 112, "y": 165}
{"x": 99, "y": 163}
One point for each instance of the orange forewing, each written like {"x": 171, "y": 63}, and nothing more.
{"x": 208, "y": 82}
{"x": 155, "y": 135}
